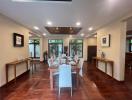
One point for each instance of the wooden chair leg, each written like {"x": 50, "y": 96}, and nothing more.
{"x": 59, "y": 92}
{"x": 71, "y": 91}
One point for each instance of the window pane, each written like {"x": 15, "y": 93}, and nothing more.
{"x": 55, "y": 47}
{"x": 37, "y": 50}
{"x": 34, "y": 48}
{"x": 76, "y": 47}
{"x": 31, "y": 50}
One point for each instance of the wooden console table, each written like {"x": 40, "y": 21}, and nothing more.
{"x": 105, "y": 61}
{"x": 14, "y": 64}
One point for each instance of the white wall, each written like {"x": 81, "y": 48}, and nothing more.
{"x": 116, "y": 51}
{"x": 92, "y": 41}
{"x": 10, "y": 53}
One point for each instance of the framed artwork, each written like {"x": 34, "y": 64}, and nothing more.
{"x": 18, "y": 40}
{"x": 105, "y": 40}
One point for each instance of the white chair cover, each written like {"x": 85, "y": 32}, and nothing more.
{"x": 76, "y": 58}
{"x": 81, "y": 67}
{"x": 65, "y": 77}
{"x": 63, "y": 55}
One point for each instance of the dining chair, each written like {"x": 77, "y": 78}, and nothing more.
{"x": 76, "y": 58}
{"x": 65, "y": 77}
{"x": 63, "y": 55}
{"x": 50, "y": 62}
{"x": 81, "y": 67}
{"x": 62, "y": 61}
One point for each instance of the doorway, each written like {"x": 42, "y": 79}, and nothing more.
{"x": 91, "y": 52}
{"x": 34, "y": 48}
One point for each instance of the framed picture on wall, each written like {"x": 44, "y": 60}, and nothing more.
{"x": 105, "y": 40}
{"x": 18, "y": 40}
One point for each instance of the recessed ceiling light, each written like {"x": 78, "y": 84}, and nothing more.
{"x": 49, "y": 23}
{"x": 44, "y": 34}
{"x": 90, "y": 28}
{"x": 78, "y": 24}
{"x": 70, "y": 36}
{"x": 30, "y": 35}
{"x": 71, "y": 28}
{"x": 82, "y": 34}
{"x": 57, "y": 28}
{"x": 95, "y": 35}
{"x": 112, "y": 1}
{"x": 36, "y": 28}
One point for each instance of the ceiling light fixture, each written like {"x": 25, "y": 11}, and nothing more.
{"x": 90, "y": 28}
{"x": 44, "y": 34}
{"x": 57, "y": 28}
{"x": 30, "y": 35}
{"x": 71, "y": 28}
{"x": 95, "y": 35}
{"x": 70, "y": 36}
{"x": 82, "y": 34}
{"x": 36, "y": 28}
{"x": 78, "y": 24}
{"x": 49, "y": 23}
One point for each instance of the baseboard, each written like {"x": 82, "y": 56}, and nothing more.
{"x": 12, "y": 81}
{"x": 111, "y": 76}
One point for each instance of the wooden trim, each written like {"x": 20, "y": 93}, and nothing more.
{"x": 12, "y": 81}
{"x": 110, "y": 76}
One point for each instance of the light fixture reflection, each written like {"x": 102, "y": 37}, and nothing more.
{"x": 36, "y": 28}
{"x": 49, "y": 23}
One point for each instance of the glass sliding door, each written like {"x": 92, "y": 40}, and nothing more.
{"x": 34, "y": 48}
{"x": 37, "y": 50}
{"x": 31, "y": 50}
{"x": 55, "y": 47}
{"x": 76, "y": 47}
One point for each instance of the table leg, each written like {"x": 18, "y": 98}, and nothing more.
{"x": 15, "y": 73}
{"x": 77, "y": 79}
{"x": 96, "y": 63}
{"x": 112, "y": 69}
{"x": 6, "y": 74}
{"x": 51, "y": 80}
{"x": 32, "y": 66}
{"x": 105, "y": 67}
{"x": 35, "y": 66}
{"x": 27, "y": 64}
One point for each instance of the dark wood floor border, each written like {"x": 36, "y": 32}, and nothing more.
{"x": 110, "y": 76}
{"x": 12, "y": 81}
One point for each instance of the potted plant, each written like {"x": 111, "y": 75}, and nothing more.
{"x": 45, "y": 56}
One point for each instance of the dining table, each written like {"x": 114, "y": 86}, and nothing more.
{"x": 55, "y": 68}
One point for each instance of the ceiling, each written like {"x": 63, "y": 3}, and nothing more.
{"x": 95, "y": 13}
{"x": 63, "y": 30}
